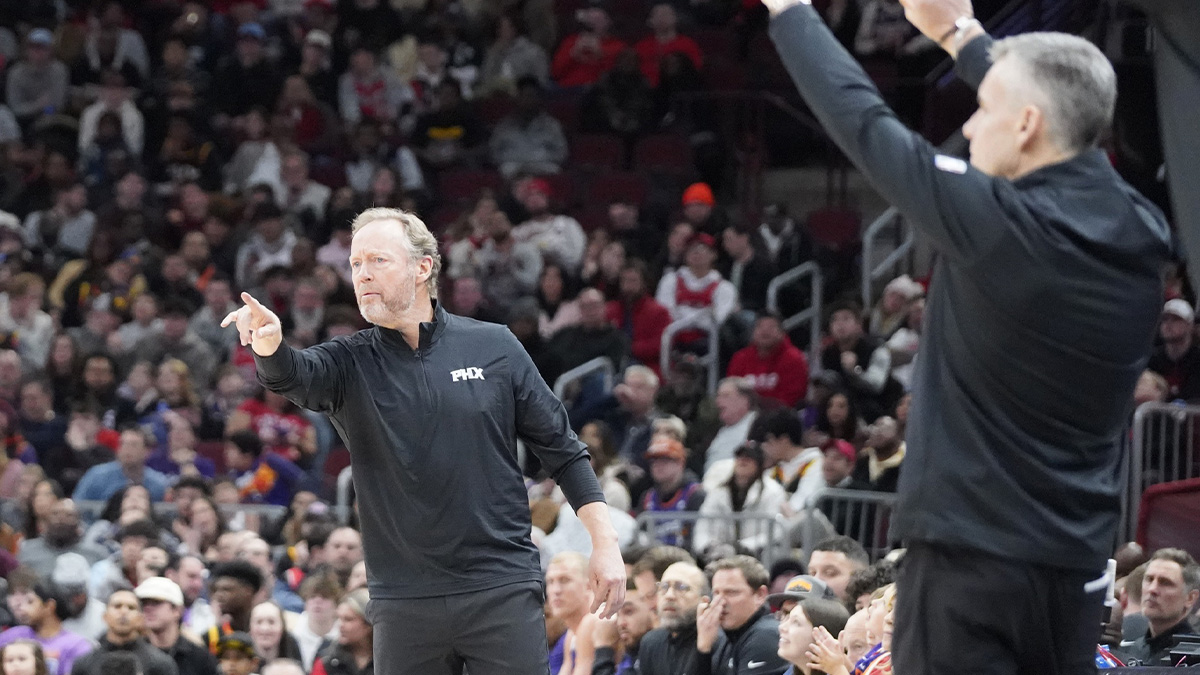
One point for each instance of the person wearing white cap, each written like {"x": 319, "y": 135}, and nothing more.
{"x": 38, "y": 82}
{"x": 71, "y": 574}
{"x": 1177, "y": 359}
{"x": 162, "y": 607}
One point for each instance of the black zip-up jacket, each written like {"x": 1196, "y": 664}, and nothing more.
{"x": 752, "y": 649}
{"x": 663, "y": 653}
{"x": 151, "y": 658}
{"x": 1041, "y": 313}
{"x": 432, "y": 434}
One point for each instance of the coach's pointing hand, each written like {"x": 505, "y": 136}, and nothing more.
{"x": 608, "y": 579}
{"x": 257, "y": 326}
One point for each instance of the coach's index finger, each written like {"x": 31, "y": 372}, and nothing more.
{"x": 254, "y": 303}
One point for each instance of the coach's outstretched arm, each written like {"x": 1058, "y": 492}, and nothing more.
{"x": 951, "y": 202}
{"x": 310, "y": 378}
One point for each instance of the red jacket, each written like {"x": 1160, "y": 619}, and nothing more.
{"x": 781, "y": 375}
{"x": 651, "y": 52}
{"x": 650, "y": 319}
{"x": 569, "y": 71}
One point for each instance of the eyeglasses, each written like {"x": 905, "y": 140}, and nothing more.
{"x": 677, "y": 586}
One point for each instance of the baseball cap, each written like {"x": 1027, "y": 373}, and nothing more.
{"x": 318, "y": 38}
{"x": 160, "y": 588}
{"x": 237, "y": 641}
{"x": 666, "y": 448}
{"x": 252, "y": 30}
{"x": 751, "y": 450}
{"x": 703, "y": 238}
{"x": 698, "y": 193}
{"x": 71, "y": 570}
{"x": 802, "y": 587}
{"x": 1180, "y": 308}
{"x": 842, "y": 447}
{"x": 40, "y": 36}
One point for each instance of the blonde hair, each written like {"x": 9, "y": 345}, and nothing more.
{"x": 419, "y": 241}
{"x": 671, "y": 426}
{"x": 572, "y": 559}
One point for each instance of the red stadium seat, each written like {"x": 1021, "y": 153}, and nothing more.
{"x": 338, "y": 459}
{"x": 1169, "y": 516}
{"x": 835, "y": 228}
{"x": 607, "y": 188}
{"x": 667, "y": 153}
{"x": 494, "y": 108}
{"x": 592, "y": 217}
{"x": 565, "y": 109}
{"x": 215, "y": 451}
{"x": 597, "y": 152}
{"x": 722, "y": 74}
{"x": 463, "y": 185}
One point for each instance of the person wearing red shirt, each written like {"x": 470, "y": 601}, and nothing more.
{"x": 666, "y": 39}
{"x": 638, "y": 314}
{"x": 583, "y": 57}
{"x": 779, "y": 369}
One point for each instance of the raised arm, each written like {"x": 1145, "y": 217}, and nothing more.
{"x": 951, "y": 202}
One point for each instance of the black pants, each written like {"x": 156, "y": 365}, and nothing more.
{"x": 963, "y": 612}
{"x": 500, "y": 631}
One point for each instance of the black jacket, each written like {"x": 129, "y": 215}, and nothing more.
{"x": 662, "y": 653}
{"x": 1154, "y": 651}
{"x": 606, "y": 663}
{"x": 192, "y": 659}
{"x": 1043, "y": 305}
{"x": 432, "y": 434}
{"x": 750, "y": 650}
{"x": 153, "y": 661}
{"x": 338, "y": 661}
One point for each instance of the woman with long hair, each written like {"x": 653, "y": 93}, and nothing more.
{"x": 268, "y": 631}
{"x": 556, "y": 291}
{"x": 201, "y": 527}
{"x": 746, "y": 491}
{"x": 797, "y": 631}
{"x": 64, "y": 368}
{"x": 45, "y": 494}
{"x": 175, "y": 386}
{"x": 839, "y": 419}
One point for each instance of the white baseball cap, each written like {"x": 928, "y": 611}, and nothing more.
{"x": 1181, "y": 309}
{"x": 160, "y": 588}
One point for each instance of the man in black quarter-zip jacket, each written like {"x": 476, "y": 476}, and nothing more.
{"x": 1040, "y": 318}
{"x": 430, "y": 406}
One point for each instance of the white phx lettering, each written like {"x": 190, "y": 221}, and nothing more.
{"x": 467, "y": 374}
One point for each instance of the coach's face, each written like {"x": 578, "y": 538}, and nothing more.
{"x": 1006, "y": 122}
{"x": 384, "y": 273}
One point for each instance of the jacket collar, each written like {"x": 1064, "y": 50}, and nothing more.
{"x": 430, "y": 331}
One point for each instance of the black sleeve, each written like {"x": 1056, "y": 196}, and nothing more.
{"x": 974, "y": 60}
{"x": 313, "y": 378}
{"x": 948, "y": 200}
{"x": 763, "y": 645}
{"x": 543, "y": 425}
{"x": 605, "y": 661}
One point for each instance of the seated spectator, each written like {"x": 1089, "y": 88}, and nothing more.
{"x": 633, "y": 418}
{"x": 369, "y": 90}
{"x": 584, "y": 56}
{"x": 1170, "y": 588}
{"x": 863, "y": 363}
{"x": 302, "y": 196}
{"x": 697, "y": 292}
{"x": 353, "y": 651}
{"x": 129, "y": 467}
{"x": 617, "y": 650}
{"x": 671, "y": 647}
{"x": 746, "y": 629}
{"x": 838, "y": 460}
{"x": 637, "y": 313}
{"x": 786, "y": 245}
{"x": 163, "y": 608}
{"x": 892, "y": 309}
{"x": 528, "y": 140}
{"x": 63, "y": 534}
{"x": 188, "y": 154}
{"x": 467, "y": 300}
{"x": 38, "y": 422}
{"x": 510, "y": 57}
{"x": 205, "y": 323}
{"x": 621, "y": 102}
{"x": 316, "y": 627}
{"x": 795, "y": 467}
{"x": 38, "y": 83}
{"x": 592, "y": 337}
{"x": 179, "y": 457}
{"x": 270, "y": 245}
{"x": 233, "y": 586}
{"x": 81, "y": 448}
{"x": 315, "y": 66}
{"x": 807, "y": 635}
{"x": 64, "y": 231}
{"x": 556, "y": 297}
{"x": 508, "y": 269}
{"x": 312, "y": 122}
{"x": 839, "y": 419}
{"x": 665, "y": 40}
{"x": 737, "y": 408}
{"x": 268, "y": 630}
{"x": 247, "y": 78}
{"x": 449, "y": 133}
{"x": 905, "y": 342}
{"x": 112, "y": 45}
{"x": 675, "y": 488}
{"x": 172, "y": 283}
{"x": 700, "y": 210}
{"x": 1178, "y": 359}
{"x": 261, "y": 478}
{"x": 749, "y": 271}
{"x": 603, "y": 259}
{"x": 567, "y": 597}
{"x": 119, "y": 571}
{"x": 749, "y": 490}
{"x": 778, "y": 369}
{"x": 43, "y": 624}
{"x": 176, "y": 341}
{"x": 115, "y": 97}
{"x": 432, "y": 69}
{"x": 21, "y": 313}
{"x": 641, "y": 240}
{"x": 257, "y": 157}
{"x": 835, "y": 560}
{"x": 882, "y": 457}
{"x": 558, "y": 237}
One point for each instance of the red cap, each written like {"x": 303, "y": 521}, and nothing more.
{"x": 842, "y": 447}
{"x": 698, "y": 193}
{"x": 666, "y": 448}
{"x": 539, "y": 185}
{"x": 703, "y": 238}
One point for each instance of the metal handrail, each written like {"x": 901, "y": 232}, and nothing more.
{"x": 601, "y": 364}
{"x": 696, "y": 322}
{"x": 1176, "y": 451}
{"x": 90, "y": 509}
{"x": 871, "y": 274}
{"x": 873, "y": 509}
{"x": 648, "y": 522}
{"x": 811, "y": 315}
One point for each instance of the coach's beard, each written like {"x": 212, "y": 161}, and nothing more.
{"x": 387, "y": 309}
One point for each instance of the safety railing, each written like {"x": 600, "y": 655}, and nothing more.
{"x": 90, "y": 510}
{"x": 862, "y": 515}
{"x": 810, "y": 316}
{"x": 711, "y": 360}
{"x": 904, "y": 238}
{"x": 600, "y": 364}
{"x": 656, "y": 523}
{"x": 1165, "y": 447}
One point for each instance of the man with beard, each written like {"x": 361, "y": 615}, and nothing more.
{"x": 670, "y": 649}
{"x": 123, "y": 616}
{"x": 617, "y": 640}
{"x": 431, "y": 406}
{"x": 63, "y": 535}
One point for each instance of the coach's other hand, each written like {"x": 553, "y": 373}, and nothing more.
{"x": 935, "y": 18}
{"x": 257, "y": 326}
{"x": 607, "y": 570}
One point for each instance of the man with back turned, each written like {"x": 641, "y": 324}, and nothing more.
{"x": 431, "y": 406}
{"x": 1040, "y": 318}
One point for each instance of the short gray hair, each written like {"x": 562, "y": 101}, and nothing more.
{"x": 419, "y": 241}
{"x": 1076, "y": 78}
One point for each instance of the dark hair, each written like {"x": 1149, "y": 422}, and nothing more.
{"x": 737, "y": 496}
{"x": 39, "y": 655}
{"x": 869, "y": 579}
{"x": 240, "y": 571}
{"x": 607, "y": 452}
{"x": 139, "y": 528}
{"x": 752, "y": 570}
{"x": 265, "y": 211}
{"x": 322, "y": 582}
{"x": 318, "y": 534}
{"x": 844, "y": 305}
{"x": 288, "y": 647}
{"x": 853, "y": 550}
{"x": 1189, "y": 568}
{"x": 850, "y": 433}
{"x": 659, "y": 558}
{"x": 529, "y": 82}
{"x": 120, "y": 663}
{"x": 247, "y": 442}
{"x": 779, "y": 423}
{"x": 790, "y": 566}
{"x": 830, "y": 614}
{"x": 47, "y": 591}
{"x": 198, "y": 482}
{"x": 31, "y": 531}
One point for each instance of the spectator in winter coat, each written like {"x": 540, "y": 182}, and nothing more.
{"x": 778, "y": 369}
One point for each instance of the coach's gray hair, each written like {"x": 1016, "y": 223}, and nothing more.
{"x": 419, "y": 241}
{"x": 1078, "y": 82}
